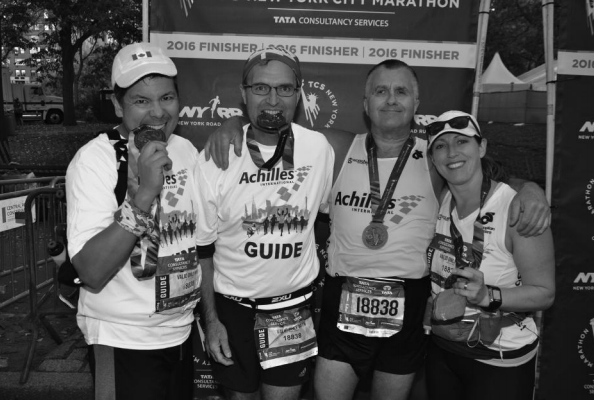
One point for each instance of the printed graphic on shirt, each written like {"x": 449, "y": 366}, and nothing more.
{"x": 275, "y": 220}
{"x": 277, "y": 176}
{"x": 398, "y": 208}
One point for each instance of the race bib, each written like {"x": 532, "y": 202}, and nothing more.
{"x": 371, "y": 307}
{"x": 177, "y": 283}
{"x": 285, "y": 337}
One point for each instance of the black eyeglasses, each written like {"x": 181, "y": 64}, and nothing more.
{"x": 460, "y": 122}
{"x": 262, "y": 89}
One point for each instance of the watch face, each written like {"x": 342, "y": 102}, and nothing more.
{"x": 496, "y": 295}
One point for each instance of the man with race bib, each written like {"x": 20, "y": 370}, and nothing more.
{"x": 257, "y": 284}
{"x": 136, "y": 307}
{"x": 383, "y": 208}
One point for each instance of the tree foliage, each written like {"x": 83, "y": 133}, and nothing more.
{"x": 516, "y": 31}
{"x": 16, "y": 19}
{"x": 85, "y": 36}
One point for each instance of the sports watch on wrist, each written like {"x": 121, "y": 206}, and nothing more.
{"x": 494, "y": 299}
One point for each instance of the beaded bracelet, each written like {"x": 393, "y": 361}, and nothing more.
{"x": 133, "y": 219}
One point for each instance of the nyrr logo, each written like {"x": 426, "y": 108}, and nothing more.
{"x": 584, "y": 277}
{"x": 587, "y": 131}
{"x": 585, "y": 345}
{"x": 213, "y": 112}
{"x": 588, "y": 127}
{"x": 584, "y": 281}
{"x": 316, "y": 96}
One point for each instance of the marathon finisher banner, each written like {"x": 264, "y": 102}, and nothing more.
{"x": 567, "y": 363}
{"x": 337, "y": 42}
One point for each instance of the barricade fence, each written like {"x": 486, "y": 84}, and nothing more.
{"x": 46, "y": 212}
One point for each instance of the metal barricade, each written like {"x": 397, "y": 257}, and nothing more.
{"x": 14, "y": 279}
{"x": 45, "y": 208}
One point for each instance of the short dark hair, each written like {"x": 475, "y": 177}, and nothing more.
{"x": 120, "y": 92}
{"x": 392, "y": 64}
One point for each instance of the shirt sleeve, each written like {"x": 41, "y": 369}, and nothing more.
{"x": 90, "y": 181}
{"x": 329, "y": 168}
{"x": 207, "y": 210}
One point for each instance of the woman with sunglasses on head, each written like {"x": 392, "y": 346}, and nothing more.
{"x": 486, "y": 279}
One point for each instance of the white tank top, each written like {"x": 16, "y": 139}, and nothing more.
{"x": 498, "y": 265}
{"x": 410, "y": 218}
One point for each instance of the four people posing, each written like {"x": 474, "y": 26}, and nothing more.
{"x": 256, "y": 283}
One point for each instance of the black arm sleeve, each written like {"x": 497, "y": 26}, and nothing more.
{"x": 205, "y": 251}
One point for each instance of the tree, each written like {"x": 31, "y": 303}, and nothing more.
{"x": 77, "y": 23}
{"x": 16, "y": 20}
{"x": 516, "y": 31}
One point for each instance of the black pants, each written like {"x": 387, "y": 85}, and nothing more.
{"x": 454, "y": 377}
{"x": 162, "y": 374}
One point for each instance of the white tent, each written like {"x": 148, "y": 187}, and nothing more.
{"x": 507, "y": 98}
{"x": 537, "y": 77}
{"x": 497, "y": 78}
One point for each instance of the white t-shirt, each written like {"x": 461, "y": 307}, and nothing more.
{"x": 122, "y": 314}
{"x": 262, "y": 222}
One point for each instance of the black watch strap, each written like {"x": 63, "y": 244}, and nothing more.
{"x": 494, "y": 299}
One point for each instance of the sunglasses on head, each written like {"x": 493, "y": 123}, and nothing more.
{"x": 460, "y": 122}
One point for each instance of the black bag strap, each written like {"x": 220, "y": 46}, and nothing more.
{"x": 120, "y": 146}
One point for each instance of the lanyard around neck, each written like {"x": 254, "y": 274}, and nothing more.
{"x": 284, "y": 149}
{"x": 381, "y": 205}
{"x": 476, "y": 255}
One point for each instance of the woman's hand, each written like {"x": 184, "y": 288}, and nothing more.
{"x": 471, "y": 284}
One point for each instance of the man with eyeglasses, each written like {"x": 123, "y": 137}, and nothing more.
{"x": 384, "y": 207}
{"x": 257, "y": 284}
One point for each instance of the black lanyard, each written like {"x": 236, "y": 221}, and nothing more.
{"x": 284, "y": 149}
{"x": 478, "y": 237}
{"x": 381, "y": 205}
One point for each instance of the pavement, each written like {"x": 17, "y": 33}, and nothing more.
{"x": 61, "y": 371}
{"x": 58, "y": 371}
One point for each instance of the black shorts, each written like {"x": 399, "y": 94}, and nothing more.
{"x": 246, "y": 374}
{"x": 400, "y": 354}
{"x": 159, "y": 374}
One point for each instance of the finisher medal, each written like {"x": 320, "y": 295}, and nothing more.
{"x": 375, "y": 235}
{"x": 145, "y": 134}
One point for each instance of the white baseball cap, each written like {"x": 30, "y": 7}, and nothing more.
{"x": 138, "y": 60}
{"x": 453, "y": 122}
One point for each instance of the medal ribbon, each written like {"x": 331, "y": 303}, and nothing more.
{"x": 284, "y": 149}
{"x": 478, "y": 236}
{"x": 140, "y": 270}
{"x": 381, "y": 206}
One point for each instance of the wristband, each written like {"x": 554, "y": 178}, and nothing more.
{"x": 134, "y": 220}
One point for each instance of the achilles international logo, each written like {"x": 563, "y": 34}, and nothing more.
{"x": 317, "y": 97}
{"x": 208, "y": 115}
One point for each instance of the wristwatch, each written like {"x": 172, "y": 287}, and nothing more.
{"x": 494, "y": 299}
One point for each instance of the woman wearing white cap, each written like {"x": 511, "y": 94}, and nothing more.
{"x": 486, "y": 278}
